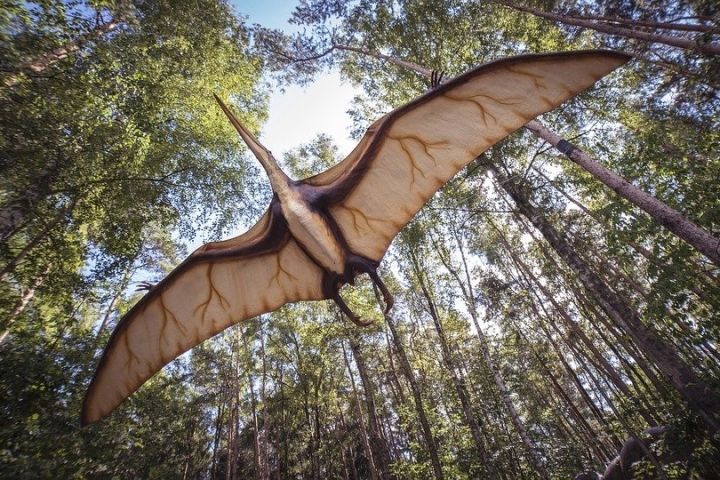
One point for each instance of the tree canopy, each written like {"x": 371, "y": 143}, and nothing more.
{"x": 548, "y": 315}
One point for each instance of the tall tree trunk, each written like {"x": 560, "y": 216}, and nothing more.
{"x": 681, "y": 27}
{"x": 584, "y": 304}
{"x": 14, "y": 212}
{"x": 364, "y": 437}
{"x": 232, "y": 434}
{"x": 113, "y": 303}
{"x": 512, "y": 411}
{"x": 469, "y": 296}
{"x": 580, "y": 387}
{"x": 631, "y": 432}
{"x": 419, "y": 408}
{"x": 378, "y": 444}
{"x": 589, "y": 434}
{"x": 24, "y": 301}
{"x": 315, "y": 453}
{"x": 700, "y": 396}
{"x": 706, "y": 48}
{"x": 255, "y": 422}
{"x": 35, "y": 241}
{"x": 644, "y": 252}
{"x": 576, "y": 332}
{"x": 234, "y": 408}
{"x": 347, "y": 453}
{"x": 452, "y": 368}
{"x": 670, "y": 218}
{"x": 216, "y": 439}
{"x": 640, "y": 358}
{"x": 265, "y": 437}
{"x": 284, "y": 462}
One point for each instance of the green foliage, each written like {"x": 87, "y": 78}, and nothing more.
{"x": 43, "y": 379}
{"x": 103, "y": 154}
{"x": 119, "y": 139}
{"x": 312, "y": 158}
{"x": 109, "y": 156}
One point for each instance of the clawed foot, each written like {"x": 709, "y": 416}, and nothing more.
{"x": 436, "y": 78}
{"x": 144, "y": 286}
{"x": 349, "y": 313}
{"x": 357, "y": 264}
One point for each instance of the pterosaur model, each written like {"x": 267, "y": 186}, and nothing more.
{"x": 320, "y": 233}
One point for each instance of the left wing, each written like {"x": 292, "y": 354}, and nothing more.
{"x": 219, "y": 285}
{"x": 408, "y": 154}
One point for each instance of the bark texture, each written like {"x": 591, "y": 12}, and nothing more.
{"x": 666, "y": 216}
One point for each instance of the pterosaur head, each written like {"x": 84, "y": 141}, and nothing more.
{"x": 277, "y": 176}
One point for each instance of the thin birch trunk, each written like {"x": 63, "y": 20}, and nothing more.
{"x": 587, "y": 432}
{"x": 378, "y": 444}
{"x": 35, "y": 241}
{"x": 583, "y": 304}
{"x": 24, "y": 301}
{"x": 469, "y": 295}
{"x": 265, "y": 440}
{"x": 631, "y": 432}
{"x": 512, "y": 411}
{"x": 670, "y": 218}
{"x": 681, "y": 27}
{"x": 256, "y": 426}
{"x": 452, "y": 368}
{"x": 116, "y": 298}
{"x": 621, "y": 339}
{"x": 419, "y": 408}
{"x": 361, "y": 419}
{"x": 347, "y": 451}
{"x": 234, "y": 408}
{"x": 598, "y": 359}
{"x": 216, "y": 439}
{"x": 575, "y": 330}
{"x": 14, "y": 213}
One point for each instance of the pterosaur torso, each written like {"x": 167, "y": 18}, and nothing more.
{"x": 320, "y": 233}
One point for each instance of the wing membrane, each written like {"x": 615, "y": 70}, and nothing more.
{"x": 407, "y": 155}
{"x": 221, "y": 284}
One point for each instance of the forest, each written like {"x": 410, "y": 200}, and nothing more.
{"x": 557, "y": 303}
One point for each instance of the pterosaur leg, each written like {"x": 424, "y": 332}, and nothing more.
{"x": 331, "y": 286}
{"x": 356, "y": 264}
{"x": 363, "y": 265}
{"x": 350, "y": 314}
{"x": 387, "y": 296}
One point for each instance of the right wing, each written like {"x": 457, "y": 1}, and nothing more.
{"x": 219, "y": 285}
{"x": 411, "y": 152}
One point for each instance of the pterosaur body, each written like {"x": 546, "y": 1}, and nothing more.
{"x": 320, "y": 233}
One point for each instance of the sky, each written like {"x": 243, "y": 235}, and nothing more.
{"x": 299, "y": 114}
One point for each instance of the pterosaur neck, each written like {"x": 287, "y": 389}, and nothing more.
{"x": 278, "y": 178}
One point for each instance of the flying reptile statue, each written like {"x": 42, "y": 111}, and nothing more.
{"x": 320, "y": 233}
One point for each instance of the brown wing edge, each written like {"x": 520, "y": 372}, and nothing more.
{"x": 338, "y": 181}
{"x": 268, "y": 235}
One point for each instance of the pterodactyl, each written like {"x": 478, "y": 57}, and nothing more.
{"x": 320, "y": 233}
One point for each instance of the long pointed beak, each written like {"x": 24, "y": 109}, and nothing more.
{"x": 262, "y": 153}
